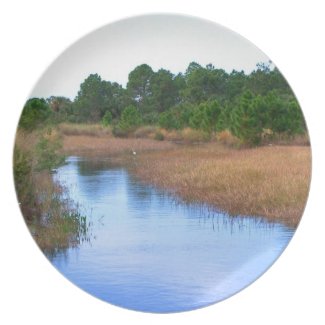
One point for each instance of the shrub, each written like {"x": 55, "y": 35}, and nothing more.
{"x": 192, "y": 135}
{"x": 159, "y": 136}
{"x": 119, "y": 132}
{"x": 46, "y": 152}
{"x": 130, "y": 118}
{"x": 147, "y": 131}
{"x": 107, "y": 118}
{"x": 227, "y": 138}
{"x": 22, "y": 174}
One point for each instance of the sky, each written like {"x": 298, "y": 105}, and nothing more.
{"x": 162, "y": 41}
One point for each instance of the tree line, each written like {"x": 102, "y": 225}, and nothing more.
{"x": 203, "y": 98}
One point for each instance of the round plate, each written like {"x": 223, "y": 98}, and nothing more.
{"x": 162, "y": 163}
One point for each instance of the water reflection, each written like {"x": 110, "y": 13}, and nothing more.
{"x": 155, "y": 253}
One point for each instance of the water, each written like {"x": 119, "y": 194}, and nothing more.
{"x": 150, "y": 253}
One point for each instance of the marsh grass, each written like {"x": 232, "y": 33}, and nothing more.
{"x": 110, "y": 146}
{"x": 93, "y": 130}
{"x": 272, "y": 182}
{"x": 58, "y": 224}
{"x": 54, "y": 221}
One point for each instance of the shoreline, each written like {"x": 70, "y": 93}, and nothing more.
{"x": 268, "y": 182}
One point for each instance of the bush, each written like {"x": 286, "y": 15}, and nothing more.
{"x": 47, "y": 155}
{"x": 119, "y": 133}
{"x": 130, "y": 118}
{"x": 35, "y": 112}
{"x": 159, "y": 136}
{"x": 22, "y": 172}
{"x": 192, "y": 135}
{"x": 107, "y": 118}
{"x": 147, "y": 131}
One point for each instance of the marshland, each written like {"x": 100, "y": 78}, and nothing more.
{"x": 181, "y": 163}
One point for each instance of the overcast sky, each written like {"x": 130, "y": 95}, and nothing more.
{"x": 162, "y": 41}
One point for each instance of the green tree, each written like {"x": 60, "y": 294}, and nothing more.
{"x": 96, "y": 97}
{"x": 89, "y": 105}
{"x": 284, "y": 114}
{"x": 130, "y": 118}
{"x": 245, "y": 122}
{"x": 139, "y": 86}
{"x": 163, "y": 90}
{"x": 203, "y": 84}
{"x": 264, "y": 79}
{"x": 35, "y": 112}
{"x": 61, "y": 108}
{"x": 199, "y": 118}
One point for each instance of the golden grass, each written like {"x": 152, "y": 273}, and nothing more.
{"x": 225, "y": 137}
{"x": 94, "y": 130}
{"x": 110, "y": 146}
{"x": 146, "y": 131}
{"x": 272, "y": 182}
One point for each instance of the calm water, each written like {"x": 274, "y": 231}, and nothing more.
{"x": 150, "y": 253}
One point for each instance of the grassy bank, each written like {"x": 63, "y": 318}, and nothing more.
{"x": 269, "y": 181}
{"x": 53, "y": 219}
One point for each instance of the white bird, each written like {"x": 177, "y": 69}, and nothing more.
{"x": 133, "y": 152}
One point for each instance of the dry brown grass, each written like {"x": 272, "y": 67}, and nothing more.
{"x": 93, "y": 130}
{"x": 110, "y": 146}
{"x": 272, "y": 182}
{"x": 147, "y": 131}
{"x": 225, "y": 137}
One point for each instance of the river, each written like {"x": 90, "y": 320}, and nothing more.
{"x": 150, "y": 252}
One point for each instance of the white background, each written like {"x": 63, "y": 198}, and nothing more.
{"x": 34, "y": 32}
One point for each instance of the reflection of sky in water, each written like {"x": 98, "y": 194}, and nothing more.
{"x": 153, "y": 254}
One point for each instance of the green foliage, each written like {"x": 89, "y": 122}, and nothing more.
{"x": 283, "y": 114}
{"x": 22, "y": 173}
{"x": 35, "y": 112}
{"x": 199, "y": 119}
{"x": 61, "y": 109}
{"x": 203, "y": 84}
{"x": 245, "y": 122}
{"x": 163, "y": 91}
{"x": 96, "y": 97}
{"x": 169, "y": 120}
{"x": 139, "y": 85}
{"x": 46, "y": 153}
{"x": 205, "y": 99}
{"x": 130, "y": 118}
{"x": 107, "y": 118}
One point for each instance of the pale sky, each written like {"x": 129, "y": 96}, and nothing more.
{"x": 162, "y": 41}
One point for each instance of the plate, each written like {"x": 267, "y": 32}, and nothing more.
{"x": 162, "y": 163}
